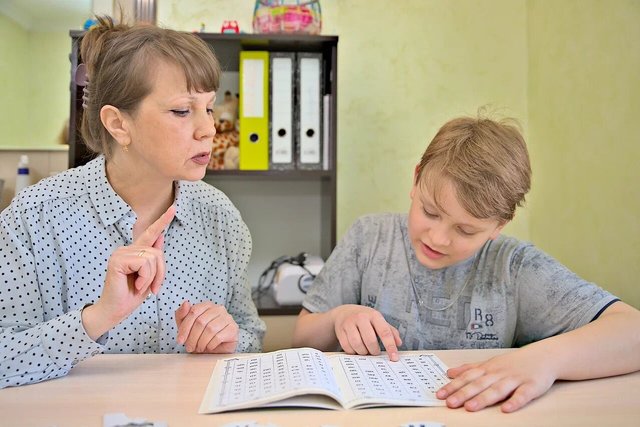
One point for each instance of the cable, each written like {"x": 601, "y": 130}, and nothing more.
{"x": 265, "y": 281}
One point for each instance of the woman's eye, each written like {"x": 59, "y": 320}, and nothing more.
{"x": 180, "y": 113}
{"x": 209, "y": 110}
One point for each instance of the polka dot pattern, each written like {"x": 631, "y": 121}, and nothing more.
{"x": 55, "y": 240}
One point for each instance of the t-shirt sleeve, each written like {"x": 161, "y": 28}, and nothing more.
{"x": 551, "y": 298}
{"x": 340, "y": 280}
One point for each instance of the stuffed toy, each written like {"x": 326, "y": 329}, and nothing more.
{"x": 225, "y": 153}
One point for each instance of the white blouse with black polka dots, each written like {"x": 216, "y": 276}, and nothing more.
{"x": 55, "y": 240}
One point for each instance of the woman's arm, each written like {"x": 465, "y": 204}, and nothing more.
{"x": 32, "y": 349}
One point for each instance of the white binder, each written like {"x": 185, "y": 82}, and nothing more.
{"x": 309, "y": 135}
{"x": 281, "y": 130}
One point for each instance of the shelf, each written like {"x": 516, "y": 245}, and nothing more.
{"x": 58, "y": 147}
{"x": 272, "y": 174}
{"x": 267, "y": 306}
{"x": 286, "y": 211}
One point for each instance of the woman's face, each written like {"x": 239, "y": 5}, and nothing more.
{"x": 172, "y": 129}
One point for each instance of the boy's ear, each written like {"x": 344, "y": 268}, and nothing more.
{"x": 415, "y": 172}
{"x": 498, "y": 229}
{"x": 116, "y": 124}
{"x": 413, "y": 186}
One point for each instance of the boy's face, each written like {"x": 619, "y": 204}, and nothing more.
{"x": 443, "y": 237}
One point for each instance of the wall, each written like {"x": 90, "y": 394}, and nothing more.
{"x": 34, "y": 73}
{"x": 48, "y": 56}
{"x": 403, "y": 71}
{"x": 14, "y": 42}
{"x": 567, "y": 70}
{"x": 584, "y": 101}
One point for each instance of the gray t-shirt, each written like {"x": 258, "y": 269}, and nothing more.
{"x": 515, "y": 294}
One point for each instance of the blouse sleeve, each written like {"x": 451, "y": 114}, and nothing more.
{"x": 239, "y": 303}
{"x": 32, "y": 348}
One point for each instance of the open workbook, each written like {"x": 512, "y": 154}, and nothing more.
{"x": 305, "y": 377}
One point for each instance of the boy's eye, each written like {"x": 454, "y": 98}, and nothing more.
{"x": 465, "y": 232}
{"x": 180, "y": 113}
{"x": 429, "y": 214}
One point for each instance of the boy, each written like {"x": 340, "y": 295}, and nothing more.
{"x": 443, "y": 278}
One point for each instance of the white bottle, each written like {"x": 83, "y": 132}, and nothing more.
{"x": 23, "y": 179}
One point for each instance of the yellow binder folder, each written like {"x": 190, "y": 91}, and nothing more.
{"x": 254, "y": 110}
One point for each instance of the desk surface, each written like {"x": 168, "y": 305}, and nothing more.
{"x": 170, "y": 387}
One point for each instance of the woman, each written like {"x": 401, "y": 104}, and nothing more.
{"x": 130, "y": 253}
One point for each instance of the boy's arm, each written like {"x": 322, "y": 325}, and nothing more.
{"x": 315, "y": 330}
{"x": 356, "y": 328}
{"x": 607, "y": 346}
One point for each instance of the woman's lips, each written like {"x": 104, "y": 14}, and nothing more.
{"x": 430, "y": 253}
{"x": 201, "y": 159}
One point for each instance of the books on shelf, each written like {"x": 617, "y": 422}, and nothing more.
{"x": 306, "y": 377}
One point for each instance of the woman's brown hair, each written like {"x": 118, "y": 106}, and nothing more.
{"x": 119, "y": 59}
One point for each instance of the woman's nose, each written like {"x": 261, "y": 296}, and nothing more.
{"x": 206, "y": 128}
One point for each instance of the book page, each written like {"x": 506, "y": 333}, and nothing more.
{"x": 376, "y": 381}
{"x": 252, "y": 381}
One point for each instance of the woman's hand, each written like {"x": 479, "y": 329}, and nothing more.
{"x": 133, "y": 272}
{"x": 358, "y": 327}
{"x": 517, "y": 377}
{"x": 206, "y": 328}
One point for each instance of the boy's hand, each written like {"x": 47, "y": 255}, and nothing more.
{"x": 206, "y": 328}
{"x": 358, "y": 328}
{"x": 519, "y": 377}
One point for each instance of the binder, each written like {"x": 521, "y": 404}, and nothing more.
{"x": 309, "y": 89}
{"x": 326, "y": 116}
{"x": 281, "y": 111}
{"x": 254, "y": 110}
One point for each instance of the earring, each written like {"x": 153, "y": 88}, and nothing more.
{"x": 125, "y": 148}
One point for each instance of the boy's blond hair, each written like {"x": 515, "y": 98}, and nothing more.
{"x": 485, "y": 160}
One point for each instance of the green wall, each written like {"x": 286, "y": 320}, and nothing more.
{"x": 568, "y": 70}
{"x": 14, "y": 42}
{"x": 402, "y": 72}
{"x": 34, "y": 74}
{"x": 584, "y": 103}
{"x": 49, "y": 56}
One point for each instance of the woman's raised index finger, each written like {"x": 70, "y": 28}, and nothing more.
{"x": 151, "y": 234}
